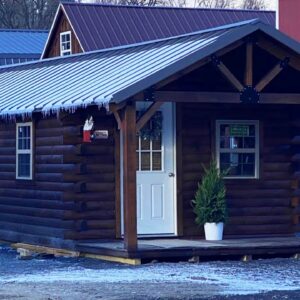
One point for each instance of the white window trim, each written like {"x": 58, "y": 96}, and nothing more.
{"x": 255, "y": 150}
{"x": 30, "y": 151}
{"x": 62, "y": 52}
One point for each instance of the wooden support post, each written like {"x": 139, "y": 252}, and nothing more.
{"x": 249, "y": 64}
{"x": 129, "y": 173}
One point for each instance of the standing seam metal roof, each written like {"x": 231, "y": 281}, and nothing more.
{"x": 17, "y": 46}
{"x": 99, "y": 26}
{"x": 113, "y": 75}
{"x": 22, "y": 41}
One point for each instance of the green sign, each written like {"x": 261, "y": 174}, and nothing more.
{"x": 239, "y": 130}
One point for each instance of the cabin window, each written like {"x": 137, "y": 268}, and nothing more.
{"x": 65, "y": 43}
{"x": 24, "y": 151}
{"x": 237, "y": 148}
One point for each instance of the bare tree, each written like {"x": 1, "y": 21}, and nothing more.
{"x": 254, "y": 4}
{"x": 28, "y": 14}
{"x": 214, "y": 3}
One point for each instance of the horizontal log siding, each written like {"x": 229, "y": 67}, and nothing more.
{"x": 94, "y": 179}
{"x": 256, "y": 207}
{"x": 33, "y": 211}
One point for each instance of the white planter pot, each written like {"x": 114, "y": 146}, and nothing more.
{"x": 213, "y": 231}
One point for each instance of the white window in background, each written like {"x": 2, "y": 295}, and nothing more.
{"x": 65, "y": 43}
{"x": 24, "y": 145}
{"x": 237, "y": 145}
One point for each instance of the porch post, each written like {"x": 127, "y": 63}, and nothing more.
{"x": 129, "y": 174}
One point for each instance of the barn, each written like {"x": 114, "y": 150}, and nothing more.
{"x": 125, "y": 194}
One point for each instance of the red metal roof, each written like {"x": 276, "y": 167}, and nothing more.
{"x": 99, "y": 26}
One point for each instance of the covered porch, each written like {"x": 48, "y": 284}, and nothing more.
{"x": 185, "y": 249}
{"x": 249, "y": 77}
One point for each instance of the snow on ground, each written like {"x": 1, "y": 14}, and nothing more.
{"x": 231, "y": 277}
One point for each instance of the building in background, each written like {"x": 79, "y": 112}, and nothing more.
{"x": 17, "y": 46}
{"x": 83, "y": 27}
{"x": 289, "y": 17}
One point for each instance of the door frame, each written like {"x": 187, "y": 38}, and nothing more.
{"x": 175, "y": 205}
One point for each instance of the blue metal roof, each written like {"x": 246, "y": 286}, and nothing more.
{"x": 22, "y": 41}
{"x": 113, "y": 75}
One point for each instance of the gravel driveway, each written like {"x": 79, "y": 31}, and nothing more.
{"x": 65, "y": 278}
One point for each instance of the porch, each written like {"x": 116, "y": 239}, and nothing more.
{"x": 175, "y": 248}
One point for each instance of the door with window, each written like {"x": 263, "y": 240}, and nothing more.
{"x": 156, "y": 174}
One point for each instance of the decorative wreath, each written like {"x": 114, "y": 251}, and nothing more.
{"x": 153, "y": 130}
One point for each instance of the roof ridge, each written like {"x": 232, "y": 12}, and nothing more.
{"x": 23, "y": 30}
{"x": 165, "y": 7}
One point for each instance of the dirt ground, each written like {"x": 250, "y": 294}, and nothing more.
{"x": 66, "y": 278}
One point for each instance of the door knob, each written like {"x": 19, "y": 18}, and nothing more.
{"x": 171, "y": 174}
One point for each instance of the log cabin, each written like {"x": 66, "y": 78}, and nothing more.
{"x": 229, "y": 92}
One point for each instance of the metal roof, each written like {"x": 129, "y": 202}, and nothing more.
{"x": 113, "y": 75}
{"x": 22, "y": 41}
{"x": 17, "y": 46}
{"x": 100, "y": 26}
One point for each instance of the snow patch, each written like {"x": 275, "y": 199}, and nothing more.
{"x": 231, "y": 279}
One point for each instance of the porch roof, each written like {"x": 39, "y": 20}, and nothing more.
{"x": 114, "y": 75}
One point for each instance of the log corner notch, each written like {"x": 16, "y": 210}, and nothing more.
{"x": 248, "y": 92}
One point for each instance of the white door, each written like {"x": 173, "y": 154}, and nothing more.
{"x": 156, "y": 176}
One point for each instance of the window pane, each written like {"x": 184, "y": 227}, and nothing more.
{"x": 145, "y": 144}
{"x": 248, "y": 158}
{"x": 24, "y": 138}
{"x": 24, "y": 165}
{"x": 156, "y": 144}
{"x": 145, "y": 161}
{"x": 156, "y": 161}
{"x": 248, "y": 169}
{"x": 249, "y": 142}
{"x": 238, "y": 164}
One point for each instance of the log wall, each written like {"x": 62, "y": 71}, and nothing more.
{"x": 94, "y": 179}
{"x": 32, "y": 210}
{"x": 264, "y": 206}
{"x": 72, "y": 194}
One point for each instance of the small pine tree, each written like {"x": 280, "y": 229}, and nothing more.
{"x": 209, "y": 204}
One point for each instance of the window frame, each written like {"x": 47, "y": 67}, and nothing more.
{"x": 241, "y": 150}
{"x": 62, "y": 52}
{"x": 24, "y": 151}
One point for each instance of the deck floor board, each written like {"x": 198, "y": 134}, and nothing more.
{"x": 171, "y": 247}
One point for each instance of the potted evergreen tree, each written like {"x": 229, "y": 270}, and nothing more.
{"x": 209, "y": 204}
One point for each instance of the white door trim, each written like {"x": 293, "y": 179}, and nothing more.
{"x": 174, "y": 185}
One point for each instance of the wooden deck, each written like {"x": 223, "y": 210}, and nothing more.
{"x": 162, "y": 248}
